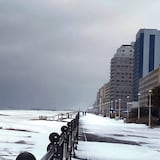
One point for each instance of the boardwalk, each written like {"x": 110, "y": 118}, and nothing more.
{"x": 108, "y": 139}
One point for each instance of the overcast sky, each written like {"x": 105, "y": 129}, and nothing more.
{"x": 56, "y": 53}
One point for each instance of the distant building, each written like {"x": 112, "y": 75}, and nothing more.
{"x": 121, "y": 76}
{"x": 107, "y": 99}
{"x": 106, "y": 92}
{"x": 103, "y": 96}
{"x": 147, "y": 55}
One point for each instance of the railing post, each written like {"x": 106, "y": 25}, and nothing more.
{"x": 68, "y": 115}
{"x": 54, "y": 138}
{"x": 76, "y": 130}
{"x": 25, "y": 156}
{"x": 65, "y": 144}
{"x": 73, "y": 137}
{"x": 69, "y": 140}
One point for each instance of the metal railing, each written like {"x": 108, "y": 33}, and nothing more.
{"x": 58, "y": 117}
{"x": 62, "y": 146}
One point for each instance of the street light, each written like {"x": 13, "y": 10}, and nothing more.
{"x": 149, "y": 118}
{"x": 127, "y": 107}
{"x": 115, "y": 106}
{"x": 111, "y": 105}
{"x": 119, "y": 114}
{"x": 109, "y": 109}
{"x": 100, "y": 108}
{"x": 139, "y": 105}
{"x": 105, "y": 110}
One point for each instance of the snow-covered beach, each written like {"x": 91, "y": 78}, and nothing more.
{"x": 21, "y": 130}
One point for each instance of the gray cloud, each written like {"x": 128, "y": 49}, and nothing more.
{"x": 57, "y": 53}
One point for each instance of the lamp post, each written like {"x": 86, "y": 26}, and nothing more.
{"x": 119, "y": 109}
{"x": 105, "y": 105}
{"x": 127, "y": 107}
{"x": 100, "y": 107}
{"x": 115, "y": 106}
{"x": 109, "y": 108}
{"x": 149, "y": 117}
{"x": 139, "y": 106}
{"x": 111, "y": 104}
{"x": 103, "y": 109}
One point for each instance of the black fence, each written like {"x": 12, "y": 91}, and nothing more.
{"x": 61, "y": 147}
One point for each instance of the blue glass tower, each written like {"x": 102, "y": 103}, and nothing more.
{"x": 147, "y": 55}
{"x": 138, "y": 63}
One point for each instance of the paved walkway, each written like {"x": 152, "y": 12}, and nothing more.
{"x": 84, "y": 136}
{"x": 108, "y": 139}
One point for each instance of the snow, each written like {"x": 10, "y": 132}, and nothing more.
{"x": 147, "y": 138}
{"x": 31, "y": 134}
{"x": 110, "y": 151}
{"x": 33, "y": 139}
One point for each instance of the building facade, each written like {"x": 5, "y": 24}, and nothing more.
{"x": 146, "y": 56}
{"x": 148, "y": 83}
{"x": 121, "y": 76}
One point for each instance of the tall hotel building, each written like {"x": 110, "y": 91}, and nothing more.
{"x": 146, "y": 56}
{"x": 121, "y": 80}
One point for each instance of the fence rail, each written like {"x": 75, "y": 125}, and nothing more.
{"x": 58, "y": 117}
{"x": 62, "y": 146}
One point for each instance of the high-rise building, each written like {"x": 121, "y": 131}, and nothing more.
{"x": 147, "y": 55}
{"x": 121, "y": 80}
